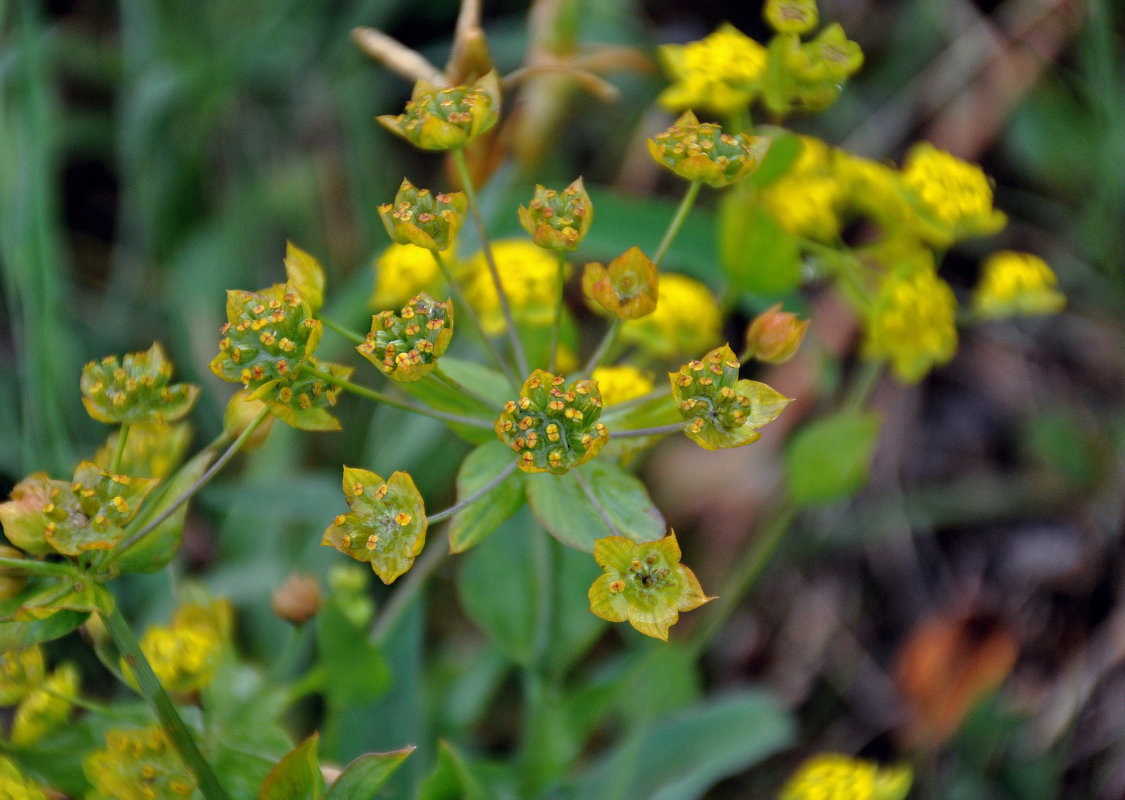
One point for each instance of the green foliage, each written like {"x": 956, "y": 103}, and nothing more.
{"x": 829, "y": 459}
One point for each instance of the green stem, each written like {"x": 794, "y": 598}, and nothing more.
{"x": 45, "y": 568}
{"x": 560, "y": 281}
{"x": 119, "y": 451}
{"x": 347, "y": 333}
{"x": 657, "y": 431}
{"x": 200, "y": 482}
{"x": 439, "y": 374}
{"x": 677, "y": 221}
{"x": 505, "y": 308}
{"x": 161, "y": 704}
{"x": 603, "y": 347}
{"x": 862, "y": 385}
{"x": 459, "y": 296}
{"x": 405, "y": 593}
{"x": 379, "y": 397}
{"x": 472, "y": 498}
{"x": 617, "y": 409}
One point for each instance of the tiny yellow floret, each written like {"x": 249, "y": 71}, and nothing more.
{"x": 1014, "y": 284}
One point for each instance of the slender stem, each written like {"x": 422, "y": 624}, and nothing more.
{"x": 347, "y": 333}
{"x": 440, "y": 374}
{"x": 200, "y": 482}
{"x": 119, "y": 451}
{"x": 677, "y": 221}
{"x": 400, "y": 599}
{"x": 560, "y": 281}
{"x": 657, "y": 431}
{"x": 472, "y": 498}
{"x": 459, "y": 296}
{"x": 603, "y": 347}
{"x": 31, "y": 567}
{"x": 595, "y": 502}
{"x": 161, "y": 704}
{"x": 505, "y": 308}
{"x": 379, "y": 397}
{"x": 862, "y": 385}
{"x": 617, "y": 409}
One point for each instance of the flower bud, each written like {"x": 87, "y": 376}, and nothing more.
{"x": 558, "y": 220}
{"x": 791, "y": 16}
{"x": 700, "y": 151}
{"x": 406, "y": 347}
{"x": 626, "y": 288}
{"x": 447, "y": 118}
{"x": 135, "y": 389}
{"x": 775, "y": 335}
{"x": 418, "y": 217}
{"x": 298, "y": 599}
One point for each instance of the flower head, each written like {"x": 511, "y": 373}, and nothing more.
{"x": 832, "y": 776}
{"x": 445, "y": 118}
{"x": 719, "y": 73}
{"x": 420, "y": 217}
{"x": 137, "y": 764}
{"x": 558, "y": 220}
{"x": 686, "y": 319}
{"x": 14, "y": 786}
{"x": 20, "y": 672}
{"x": 135, "y": 389}
{"x": 626, "y": 288}
{"x": 46, "y": 707}
{"x": 91, "y": 514}
{"x": 644, "y": 584}
{"x": 912, "y": 324}
{"x": 185, "y": 654}
{"x": 529, "y": 275}
{"x": 405, "y": 347}
{"x": 1016, "y": 283}
{"x": 700, "y": 151}
{"x": 954, "y": 197}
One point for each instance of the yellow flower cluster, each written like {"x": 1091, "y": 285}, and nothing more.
{"x": 806, "y": 200}
{"x": 955, "y": 193}
{"x": 14, "y": 786}
{"x": 718, "y": 73}
{"x": 529, "y": 276}
{"x": 402, "y": 271}
{"x": 1016, "y": 283}
{"x": 43, "y": 700}
{"x": 832, "y": 776}
{"x": 621, "y": 383}
{"x": 686, "y": 320}
{"x": 137, "y": 764}
{"x": 185, "y": 655}
{"x": 912, "y": 325}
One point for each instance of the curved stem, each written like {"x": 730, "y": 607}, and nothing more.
{"x": 560, "y": 281}
{"x": 505, "y": 308}
{"x": 119, "y": 451}
{"x": 472, "y": 498}
{"x": 603, "y": 347}
{"x": 161, "y": 704}
{"x": 677, "y": 221}
{"x": 657, "y": 431}
{"x": 379, "y": 397}
{"x": 347, "y": 333}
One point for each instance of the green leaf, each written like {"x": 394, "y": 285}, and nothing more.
{"x": 452, "y": 779}
{"x": 829, "y": 459}
{"x": 757, "y": 254}
{"x": 484, "y": 381}
{"x": 366, "y": 774}
{"x": 573, "y": 628}
{"x": 564, "y": 508}
{"x": 478, "y": 520}
{"x": 785, "y": 147}
{"x": 156, "y": 548}
{"x": 680, "y": 757}
{"x": 46, "y": 610}
{"x": 356, "y": 670}
{"x": 500, "y": 587}
{"x": 297, "y": 776}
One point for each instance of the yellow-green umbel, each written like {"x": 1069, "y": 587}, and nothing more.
{"x": 444, "y": 118}
{"x": 558, "y": 220}
{"x": 386, "y": 525}
{"x": 700, "y": 151}
{"x": 552, "y": 427}
{"x": 643, "y": 584}
{"x": 405, "y": 347}
{"x": 721, "y": 410}
{"x": 627, "y": 287}
{"x": 137, "y": 763}
{"x": 135, "y": 389}
{"x": 420, "y": 217}
{"x": 93, "y": 515}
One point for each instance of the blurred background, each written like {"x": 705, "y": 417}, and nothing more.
{"x": 153, "y": 155}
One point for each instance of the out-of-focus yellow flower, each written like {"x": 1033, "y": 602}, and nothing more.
{"x": 20, "y": 672}
{"x": 1014, "y": 284}
{"x": 138, "y": 764}
{"x": 185, "y": 655}
{"x": 686, "y": 319}
{"x": 529, "y": 275}
{"x": 46, "y": 706}
{"x": 957, "y": 195}
{"x": 912, "y": 324}
{"x": 402, "y": 271}
{"x": 621, "y": 383}
{"x": 14, "y": 786}
{"x": 872, "y": 189}
{"x": 805, "y": 204}
{"x": 832, "y": 776}
{"x": 719, "y": 73}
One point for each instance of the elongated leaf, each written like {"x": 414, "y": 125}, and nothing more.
{"x": 829, "y": 459}
{"x": 366, "y": 775}
{"x": 484, "y": 381}
{"x": 478, "y": 520}
{"x": 297, "y": 776}
{"x": 565, "y": 509}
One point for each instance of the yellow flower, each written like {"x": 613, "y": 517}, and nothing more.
{"x": 137, "y": 764}
{"x": 402, "y": 271}
{"x": 14, "y": 786}
{"x": 1016, "y": 283}
{"x": 718, "y": 73}
{"x": 912, "y": 325}
{"x": 528, "y": 274}
{"x": 954, "y": 194}
{"x": 621, "y": 383}
{"x": 832, "y": 776}
{"x": 806, "y": 204}
{"x": 686, "y": 319}
{"x": 46, "y": 707}
{"x": 185, "y": 655}
{"x": 20, "y": 672}
{"x": 872, "y": 189}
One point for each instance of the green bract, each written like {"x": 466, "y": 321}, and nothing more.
{"x": 721, "y": 410}
{"x": 303, "y": 400}
{"x": 553, "y": 429}
{"x": 386, "y": 525}
{"x": 626, "y": 288}
{"x": 418, "y": 217}
{"x": 135, "y": 389}
{"x": 644, "y": 584}
{"x": 700, "y": 151}
{"x": 95, "y": 511}
{"x": 445, "y": 118}
{"x": 405, "y": 347}
{"x": 558, "y": 221}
